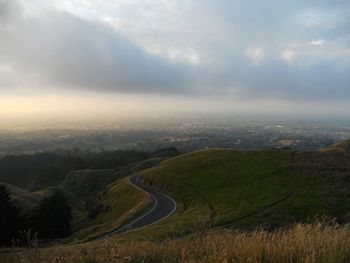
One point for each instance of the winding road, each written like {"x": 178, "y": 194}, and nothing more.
{"x": 162, "y": 207}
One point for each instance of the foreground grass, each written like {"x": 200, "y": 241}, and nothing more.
{"x": 309, "y": 243}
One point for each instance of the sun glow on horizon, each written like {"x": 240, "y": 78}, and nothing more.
{"x": 74, "y": 107}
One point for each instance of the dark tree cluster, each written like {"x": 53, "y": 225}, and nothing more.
{"x": 11, "y": 220}
{"x": 37, "y": 170}
{"x": 50, "y": 219}
{"x": 46, "y": 169}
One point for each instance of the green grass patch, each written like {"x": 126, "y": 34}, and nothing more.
{"x": 120, "y": 202}
{"x": 218, "y": 187}
{"x": 343, "y": 146}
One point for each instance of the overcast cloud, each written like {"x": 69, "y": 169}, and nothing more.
{"x": 294, "y": 50}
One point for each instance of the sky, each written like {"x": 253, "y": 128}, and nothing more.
{"x": 86, "y": 57}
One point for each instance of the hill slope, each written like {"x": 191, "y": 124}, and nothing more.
{"x": 23, "y": 198}
{"x": 27, "y": 201}
{"x": 86, "y": 184}
{"x": 227, "y": 188}
{"x": 343, "y": 146}
{"x": 117, "y": 204}
{"x": 218, "y": 187}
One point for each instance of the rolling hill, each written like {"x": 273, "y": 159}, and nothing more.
{"x": 117, "y": 204}
{"x": 343, "y": 146}
{"x": 220, "y": 187}
{"x": 27, "y": 200}
{"x": 110, "y": 199}
{"x": 217, "y": 190}
{"x": 86, "y": 184}
{"x": 23, "y": 198}
{"x": 101, "y": 199}
{"x": 212, "y": 188}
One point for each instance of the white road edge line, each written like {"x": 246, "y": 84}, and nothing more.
{"x": 161, "y": 219}
{"x": 139, "y": 218}
{"x": 153, "y": 208}
{"x": 149, "y": 194}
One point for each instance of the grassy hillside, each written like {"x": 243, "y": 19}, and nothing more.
{"x": 109, "y": 199}
{"x": 101, "y": 200}
{"x": 217, "y": 187}
{"x": 115, "y": 205}
{"x": 24, "y": 199}
{"x": 340, "y": 146}
{"x": 118, "y": 203}
{"x": 77, "y": 205}
{"x": 86, "y": 184}
{"x": 27, "y": 200}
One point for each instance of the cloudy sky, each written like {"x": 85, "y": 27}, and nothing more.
{"x": 103, "y": 56}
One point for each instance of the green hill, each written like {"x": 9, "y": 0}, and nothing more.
{"x": 86, "y": 184}
{"x": 24, "y": 199}
{"x": 101, "y": 200}
{"x": 109, "y": 200}
{"x": 218, "y": 187}
{"x": 114, "y": 206}
{"x": 27, "y": 200}
{"x": 77, "y": 205}
{"x": 222, "y": 188}
{"x": 213, "y": 188}
{"x": 117, "y": 204}
{"x": 343, "y": 146}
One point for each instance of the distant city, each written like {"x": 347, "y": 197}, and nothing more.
{"x": 186, "y": 134}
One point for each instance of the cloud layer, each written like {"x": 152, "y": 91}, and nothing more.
{"x": 61, "y": 50}
{"x": 298, "y": 50}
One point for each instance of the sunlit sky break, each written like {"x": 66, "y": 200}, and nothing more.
{"x": 86, "y": 57}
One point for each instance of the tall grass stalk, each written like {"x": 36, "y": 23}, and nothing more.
{"x": 304, "y": 243}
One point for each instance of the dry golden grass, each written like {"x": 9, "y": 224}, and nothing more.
{"x": 313, "y": 243}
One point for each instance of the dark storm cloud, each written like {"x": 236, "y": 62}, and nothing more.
{"x": 302, "y": 49}
{"x": 246, "y": 49}
{"x": 62, "y": 50}
{"x": 8, "y": 10}
{"x": 276, "y": 79}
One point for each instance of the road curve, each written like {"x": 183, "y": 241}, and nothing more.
{"x": 162, "y": 207}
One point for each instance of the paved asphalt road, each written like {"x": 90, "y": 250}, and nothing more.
{"x": 162, "y": 207}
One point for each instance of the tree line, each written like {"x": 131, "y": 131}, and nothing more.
{"x": 39, "y": 170}
{"x": 49, "y": 220}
